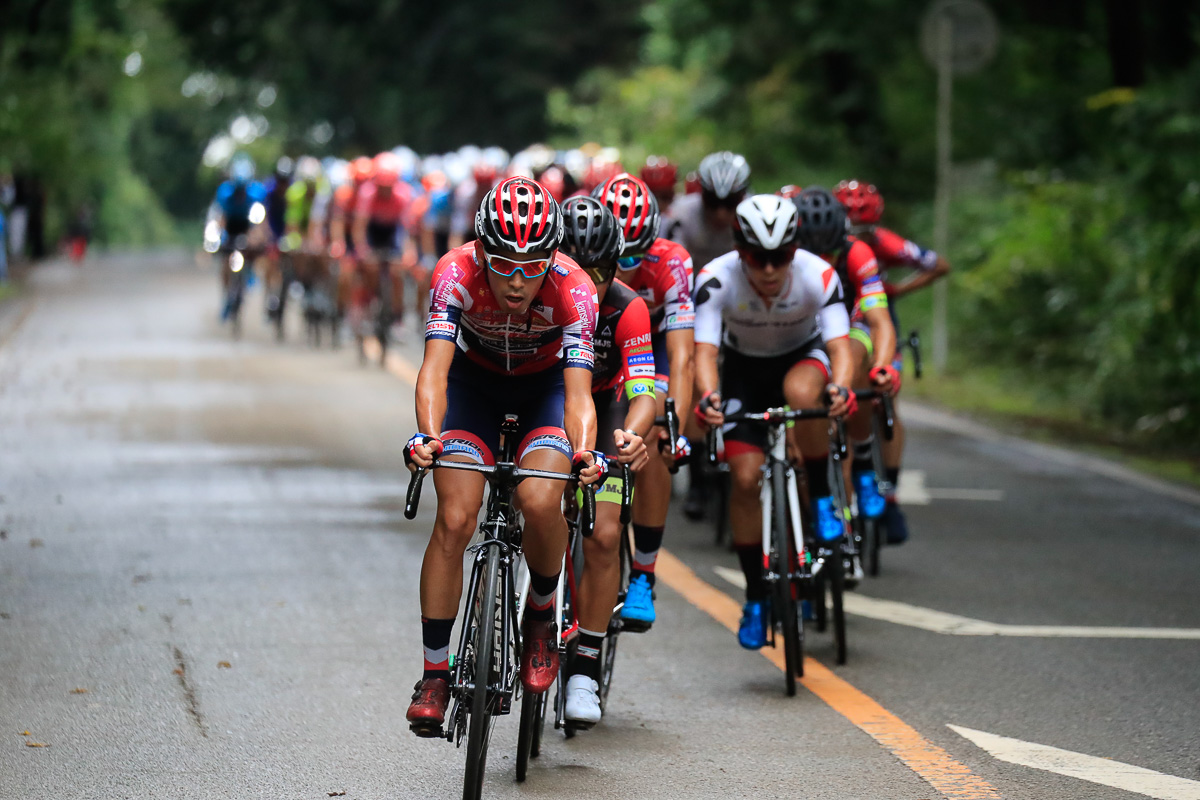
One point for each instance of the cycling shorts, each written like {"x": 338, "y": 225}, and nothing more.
{"x": 381, "y": 236}
{"x": 662, "y": 361}
{"x": 477, "y": 400}
{"x": 751, "y": 383}
{"x": 611, "y": 409}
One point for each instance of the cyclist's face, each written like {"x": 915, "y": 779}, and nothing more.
{"x": 765, "y": 277}
{"x": 720, "y": 213}
{"x": 513, "y": 292}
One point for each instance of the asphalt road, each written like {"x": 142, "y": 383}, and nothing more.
{"x": 208, "y": 590}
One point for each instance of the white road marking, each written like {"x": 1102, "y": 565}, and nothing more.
{"x": 953, "y": 625}
{"x": 913, "y": 491}
{"x": 1103, "y": 771}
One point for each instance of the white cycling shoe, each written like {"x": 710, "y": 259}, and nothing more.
{"x": 583, "y": 700}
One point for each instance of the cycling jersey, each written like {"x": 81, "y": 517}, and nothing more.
{"x": 301, "y": 196}
{"x": 235, "y": 203}
{"x": 559, "y": 325}
{"x": 383, "y": 207}
{"x": 693, "y": 232}
{"x": 893, "y": 250}
{"x": 664, "y": 281}
{"x": 810, "y": 306}
{"x": 622, "y": 344}
{"x": 861, "y": 284}
{"x": 276, "y": 203}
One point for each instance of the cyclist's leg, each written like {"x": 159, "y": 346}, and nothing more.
{"x": 860, "y": 472}
{"x": 653, "y": 498}
{"x": 893, "y": 454}
{"x": 804, "y": 387}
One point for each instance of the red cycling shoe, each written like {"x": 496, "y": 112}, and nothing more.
{"x": 539, "y": 657}
{"x": 428, "y": 709}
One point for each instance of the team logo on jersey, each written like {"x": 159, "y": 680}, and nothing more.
{"x": 438, "y": 316}
{"x": 559, "y": 269}
{"x": 606, "y": 332}
{"x": 646, "y": 358}
{"x": 640, "y": 388}
{"x": 441, "y": 327}
{"x": 642, "y": 339}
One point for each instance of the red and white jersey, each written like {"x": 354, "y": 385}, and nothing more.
{"x": 893, "y": 250}
{"x": 383, "y": 207}
{"x": 664, "y": 281}
{"x": 857, "y": 268}
{"x": 559, "y": 326}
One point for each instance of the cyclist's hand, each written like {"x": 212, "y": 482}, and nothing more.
{"x": 683, "y": 449}
{"x": 337, "y": 249}
{"x": 708, "y": 410}
{"x": 886, "y": 378}
{"x": 631, "y": 449}
{"x": 589, "y": 466}
{"x": 421, "y": 450}
{"x": 842, "y": 401}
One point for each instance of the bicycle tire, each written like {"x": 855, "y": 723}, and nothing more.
{"x": 872, "y": 541}
{"x": 783, "y": 603}
{"x": 526, "y": 733}
{"x": 480, "y": 724}
{"x": 837, "y": 586}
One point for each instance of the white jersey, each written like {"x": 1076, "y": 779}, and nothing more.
{"x": 689, "y": 229}
{"x": 808, "y": 307}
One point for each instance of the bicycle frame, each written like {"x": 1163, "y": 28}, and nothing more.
{"x": 777, "y": 460}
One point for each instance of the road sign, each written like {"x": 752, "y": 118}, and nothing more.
{"x": 973, "y": 34}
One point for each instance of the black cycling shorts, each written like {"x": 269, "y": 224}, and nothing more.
{"x": 755, "y": 383}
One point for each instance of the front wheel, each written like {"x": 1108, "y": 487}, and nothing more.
{"x": 783, "y": 601}
{"x": 837, "y": 585}
{"x": 481, "y": 707}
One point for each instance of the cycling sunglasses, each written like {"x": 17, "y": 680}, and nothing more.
{"x": 629, "y": 262}
{"x": 600, "y": 275}
{"x": 758, "y": 258}
{"x": 529, "y": 268}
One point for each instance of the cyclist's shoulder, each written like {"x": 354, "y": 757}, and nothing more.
{"x": 722, "y": 266}
{"x": 666, "y": 250}
{"x": 859, "y": 256}
{"x": 457, "y": 266}
{"x": 619, "y": 298}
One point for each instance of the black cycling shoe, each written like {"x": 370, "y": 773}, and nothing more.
{"x": 695, "y": 506}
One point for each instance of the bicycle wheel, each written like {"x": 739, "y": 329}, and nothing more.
{"x": 872, "y": 539}
{"x": 480, "y": 724}
{"x": 529, "y": 736}
{"x": 783, "y": 603}
{"x": 837, "y": 585}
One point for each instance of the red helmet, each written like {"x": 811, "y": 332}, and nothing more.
{"x": 789, "y": 191}
{"x": 361, "y": 169}
{"x": 635, "y": 207}
{"x": 863, "y": 202}
{"x": 387, "y": 169}
{"x": 660, "y": 175}
{"x": 484, "y": 174}
{"x": 691, "y": 184}
{"x": 519, "y": 216}
{"x": 599, "y": 172}
{"x": 554, "y": 181}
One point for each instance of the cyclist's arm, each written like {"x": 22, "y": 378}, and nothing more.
{"x": 883, "y": 335}
{"x": 637, "y": 356}
{"x": 358, "y": 232}
{"x": 921, "y": 278}
{"x": 707, "y": 378}
{"x": 579, "y": 409}
{"x": 680, "y": 320}
{"x": 709, "y": 301}
{"x": 680, "y": 347}
{"x": 841, "y": 357}
{"x": 432, "y": 384}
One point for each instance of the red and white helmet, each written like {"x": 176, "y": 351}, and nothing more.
{"x": 635, "y": 207}
{"x": 519, "y": 216}
{"x": 863, "y": 202}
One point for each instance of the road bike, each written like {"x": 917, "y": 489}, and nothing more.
{"x": 485, "y": 673}
{"x": 797, "y": 566}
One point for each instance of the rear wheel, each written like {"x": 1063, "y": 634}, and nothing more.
{"x": 837, "y": 581}
{"x": 529, "y": 736}
{"x": 481, "y": 704}
{"x": 872, "y": 539}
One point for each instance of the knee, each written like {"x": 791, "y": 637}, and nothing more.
{"x": 541, "y": 511}
{"x": 453, "y": 529}
{"x": 601, "y": 550}
{"x": 745, "y": 482}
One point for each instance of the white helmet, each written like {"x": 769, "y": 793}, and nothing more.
{"x": 765, "y": 221}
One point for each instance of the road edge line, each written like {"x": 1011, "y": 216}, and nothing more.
{"x": 933, "y": 764}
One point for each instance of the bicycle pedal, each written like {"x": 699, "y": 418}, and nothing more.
{"x": 635, "y": 625}
{"x": 426, "y": 730}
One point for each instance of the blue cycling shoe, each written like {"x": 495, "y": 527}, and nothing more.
{"x": 752, "y": 633}
{"x": 830, "y": 525}
{"x": 866, "y": 488}
{"x": 637, "y": 614}
{"x": 806, "y": 611}
{"x": 897, "y": 527}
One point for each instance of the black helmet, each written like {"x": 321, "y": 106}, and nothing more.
{"x": 822, "y": 221}
{"x": 591, "y": 233}
{"x": 724, "y": 175}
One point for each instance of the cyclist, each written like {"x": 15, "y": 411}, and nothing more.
{"x": 304, "y": 236}
{"x": 704, "y": 226}
{"x": 872, "y": 336}
{"x": 660, "y": 271}
{"x": 623, "y": 392}
{"x": 509, "y": 330}
{"x": 276, "y": 188}
{"x": 352, "y": 295}
{"x": 380, "y": 212}
{"x": 785, "y": 340}
{"x": 864, "y": 207}
{"x": 467, "y": 197}
{"x": 235, "y": 214}
{"x": 661, "y": 176}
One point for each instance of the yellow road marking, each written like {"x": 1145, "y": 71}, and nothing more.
{"x": 922, "y": 756}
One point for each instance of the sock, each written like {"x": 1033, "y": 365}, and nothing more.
{"x": 587, "y": 654}
{"x": 817, "y": 471}
{"x": 542, "y": 589}
{"x": 750, "y": 556}
{"x": 893, "y": 476}
{"x": 862, "y": 456}
{"x": 435, "y": 639}
{"x": 647, "y": 539}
